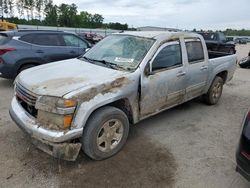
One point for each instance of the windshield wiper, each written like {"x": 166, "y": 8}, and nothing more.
{"x": 86, "y": 58}
{"x": 107, "y": 63}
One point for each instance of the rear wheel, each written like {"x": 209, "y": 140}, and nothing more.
{"x": 105, "y": 133}
{"x": 214, "y": 93}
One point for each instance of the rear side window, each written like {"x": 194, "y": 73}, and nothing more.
{"x": 169, "y": 56}
{"x": 47, "y": 40}
{"x": 71, "y": 40}
{"x": 3, "y": 39}
{"x": 27, "y": 38}
{"x": 195, "y": 50}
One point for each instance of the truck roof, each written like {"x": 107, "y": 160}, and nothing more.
{"x": 158, "y": 34}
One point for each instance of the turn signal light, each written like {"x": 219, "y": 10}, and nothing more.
{"x": 67, "y": 120}
{"x": 245, "y": 155}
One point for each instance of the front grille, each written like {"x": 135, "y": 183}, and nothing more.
{"x": 27, "y": 99}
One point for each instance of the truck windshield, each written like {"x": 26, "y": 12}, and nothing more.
{"x": 120, "y": 51}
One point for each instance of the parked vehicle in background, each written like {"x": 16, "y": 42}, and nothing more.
{"x": 216, "y": 41}
{"x": 7, "y": 26}
{"x": 230, "y": 40}
{"x": 93, "y": 38}
{"x": 122, "y": 80}
{"x": 243, "y": 150}
{"x": 241, "y": 40}
{"x": 245, "y": 62}
{"x": 22, "y": 49}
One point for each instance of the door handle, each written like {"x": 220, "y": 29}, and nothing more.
{"x": 39, "y": 51}
{"x": 181, "y": 73}
{"x": 204, "y": 67}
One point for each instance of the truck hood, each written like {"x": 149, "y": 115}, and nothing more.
{"x": 60, "y": 78}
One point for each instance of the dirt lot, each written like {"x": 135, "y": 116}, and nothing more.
{"x": 192, "y": 145}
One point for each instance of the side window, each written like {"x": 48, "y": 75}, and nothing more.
{"x": 194, "y": 50}
{"x": 27, "y": 38}
{"x": 169, "y": 56}
{"x": 71, "y": 40}
{"x": 46, "y": 40}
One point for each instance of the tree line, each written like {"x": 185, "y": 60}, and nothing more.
{"x": 234, "y": 32}
{"x": 45, "y": 12}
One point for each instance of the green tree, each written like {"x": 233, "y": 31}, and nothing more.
{"x": 51, "y": 16}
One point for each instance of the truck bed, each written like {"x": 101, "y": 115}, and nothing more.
{"x": 216, "y": 54}
{"x": 222, "y": 61}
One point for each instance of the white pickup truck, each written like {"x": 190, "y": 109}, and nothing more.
{"x": 90, "y": 102}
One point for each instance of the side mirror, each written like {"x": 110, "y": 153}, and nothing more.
{"x": 147, "y": 71}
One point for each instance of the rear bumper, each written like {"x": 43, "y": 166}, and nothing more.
{"x": 8, "y": 71}
{"x": 55, "y": 143}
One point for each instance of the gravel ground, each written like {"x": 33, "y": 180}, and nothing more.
{"x": 192, "y": 145}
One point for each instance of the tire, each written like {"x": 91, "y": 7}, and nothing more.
{"x": 214, "y": 93}
{"x": 24, "y": 67}
{"x": 110, "y": 126}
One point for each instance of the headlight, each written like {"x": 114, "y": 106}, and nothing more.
{"x": 54, "y": 112}
{"x": 56, "y": 105}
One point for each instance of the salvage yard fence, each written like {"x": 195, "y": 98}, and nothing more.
{"x": 102, "y": 32}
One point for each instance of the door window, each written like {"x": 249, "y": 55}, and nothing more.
{"x": 195, "y": 50}
{"x": 71, "y": 40}
{"x": 168, "y": 57}
{"x": 46, "y": 40}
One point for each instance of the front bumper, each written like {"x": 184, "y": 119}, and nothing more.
{"x": 55, "y": 143}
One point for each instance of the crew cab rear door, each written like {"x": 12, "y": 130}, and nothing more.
{"x": 197, "y": 69}
{"x": 165, "y": 85}
{"x": 49, "y": 47}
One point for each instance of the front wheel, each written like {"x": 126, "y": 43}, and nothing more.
{"x": 214, "y": 93}
{"x": 105, "y": 133}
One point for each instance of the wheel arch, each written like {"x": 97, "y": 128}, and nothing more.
{"x": 223, "y": 75}
{"x": 29, "y": 61}
{"x": 123, "y": 104}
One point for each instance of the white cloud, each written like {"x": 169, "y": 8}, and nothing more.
{"x": 184, "y": 14}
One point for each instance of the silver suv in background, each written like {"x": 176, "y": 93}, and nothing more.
{"x": 22, "y": 49}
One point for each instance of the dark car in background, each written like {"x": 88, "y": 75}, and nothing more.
{"x": 22, "y": 49}
{"x": 241, "y": 40}
{"x": 243, "y": 151}
{"x": 245, "y": 62}
{"x": 217, "y": 41}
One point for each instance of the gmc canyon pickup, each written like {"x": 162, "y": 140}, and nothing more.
{"x": 90, "y": 102}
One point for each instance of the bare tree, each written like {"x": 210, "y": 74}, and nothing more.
{"x": 11, "y": 7}
{"x": 20, "y": 8}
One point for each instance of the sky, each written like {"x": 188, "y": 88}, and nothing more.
{"x": 181, "y": 14}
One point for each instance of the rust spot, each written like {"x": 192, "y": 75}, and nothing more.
{"x": 103, "y": 89}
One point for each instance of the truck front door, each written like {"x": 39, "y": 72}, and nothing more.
{"x": 165, "y": 86}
